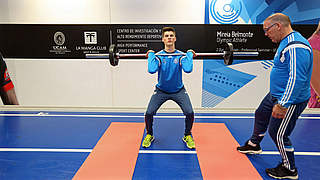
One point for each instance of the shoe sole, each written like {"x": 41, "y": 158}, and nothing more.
{"x": 150, "y": 143}
{"x": 286, "y": 177}
{"x": 187, "y": 144}
{"x": 251, "y": 152}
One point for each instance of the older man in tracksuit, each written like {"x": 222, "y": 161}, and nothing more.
{"x": 288, "y": 96}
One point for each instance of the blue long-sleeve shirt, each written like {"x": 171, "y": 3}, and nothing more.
{"x": 169, "y": 68}
{"x": 291, "y": 73}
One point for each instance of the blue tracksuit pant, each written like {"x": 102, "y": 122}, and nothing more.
{"x": 279, "y": 129}
{"x": 181, "y": 98}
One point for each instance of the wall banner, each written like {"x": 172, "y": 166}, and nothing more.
{"x": 74, "y": 41}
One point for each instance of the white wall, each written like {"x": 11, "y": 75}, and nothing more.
{"x": 101, "y": 11}
{"x": 157, "y": 12}
{"x": 61, "y": 82}
{"x": 54, "y": 11}
{"x": 91, "y": 84}
{"x": 94, "y": 83}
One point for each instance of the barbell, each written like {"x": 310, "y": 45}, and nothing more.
{"x": 227, "y": 54}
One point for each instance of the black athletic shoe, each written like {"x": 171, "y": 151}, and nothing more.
{"x": 281, "y": 172}
{"x": 248, "y": 149}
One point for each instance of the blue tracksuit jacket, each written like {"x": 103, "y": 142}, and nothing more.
{"x": 291, "y": 73}
{"x": 169, "y": 68}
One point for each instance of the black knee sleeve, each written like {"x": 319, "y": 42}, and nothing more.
{"x": 189, "y": 123}
{"x": 148, "y": 118}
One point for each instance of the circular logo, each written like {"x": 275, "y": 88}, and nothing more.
{"x": 176, "y": 61}
{"x": 225, "y": 12}
{"x": 59, "y": 38}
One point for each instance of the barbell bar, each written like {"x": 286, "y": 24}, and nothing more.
{"x": 227, "y": 55}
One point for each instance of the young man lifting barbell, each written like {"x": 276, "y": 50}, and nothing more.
{"x": 170, "y": 85}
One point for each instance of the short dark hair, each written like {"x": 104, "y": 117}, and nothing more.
{"x": 165, "y": 29}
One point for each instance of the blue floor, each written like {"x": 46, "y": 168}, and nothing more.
{"x": 82, "y": 130}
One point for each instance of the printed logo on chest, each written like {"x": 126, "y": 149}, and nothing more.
{"x": 282, "y": 58}
{"x": 6, "y": 76}
{"x": 176, "y": 60}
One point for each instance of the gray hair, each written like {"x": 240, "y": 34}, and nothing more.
{"x": 280, "y": 18}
